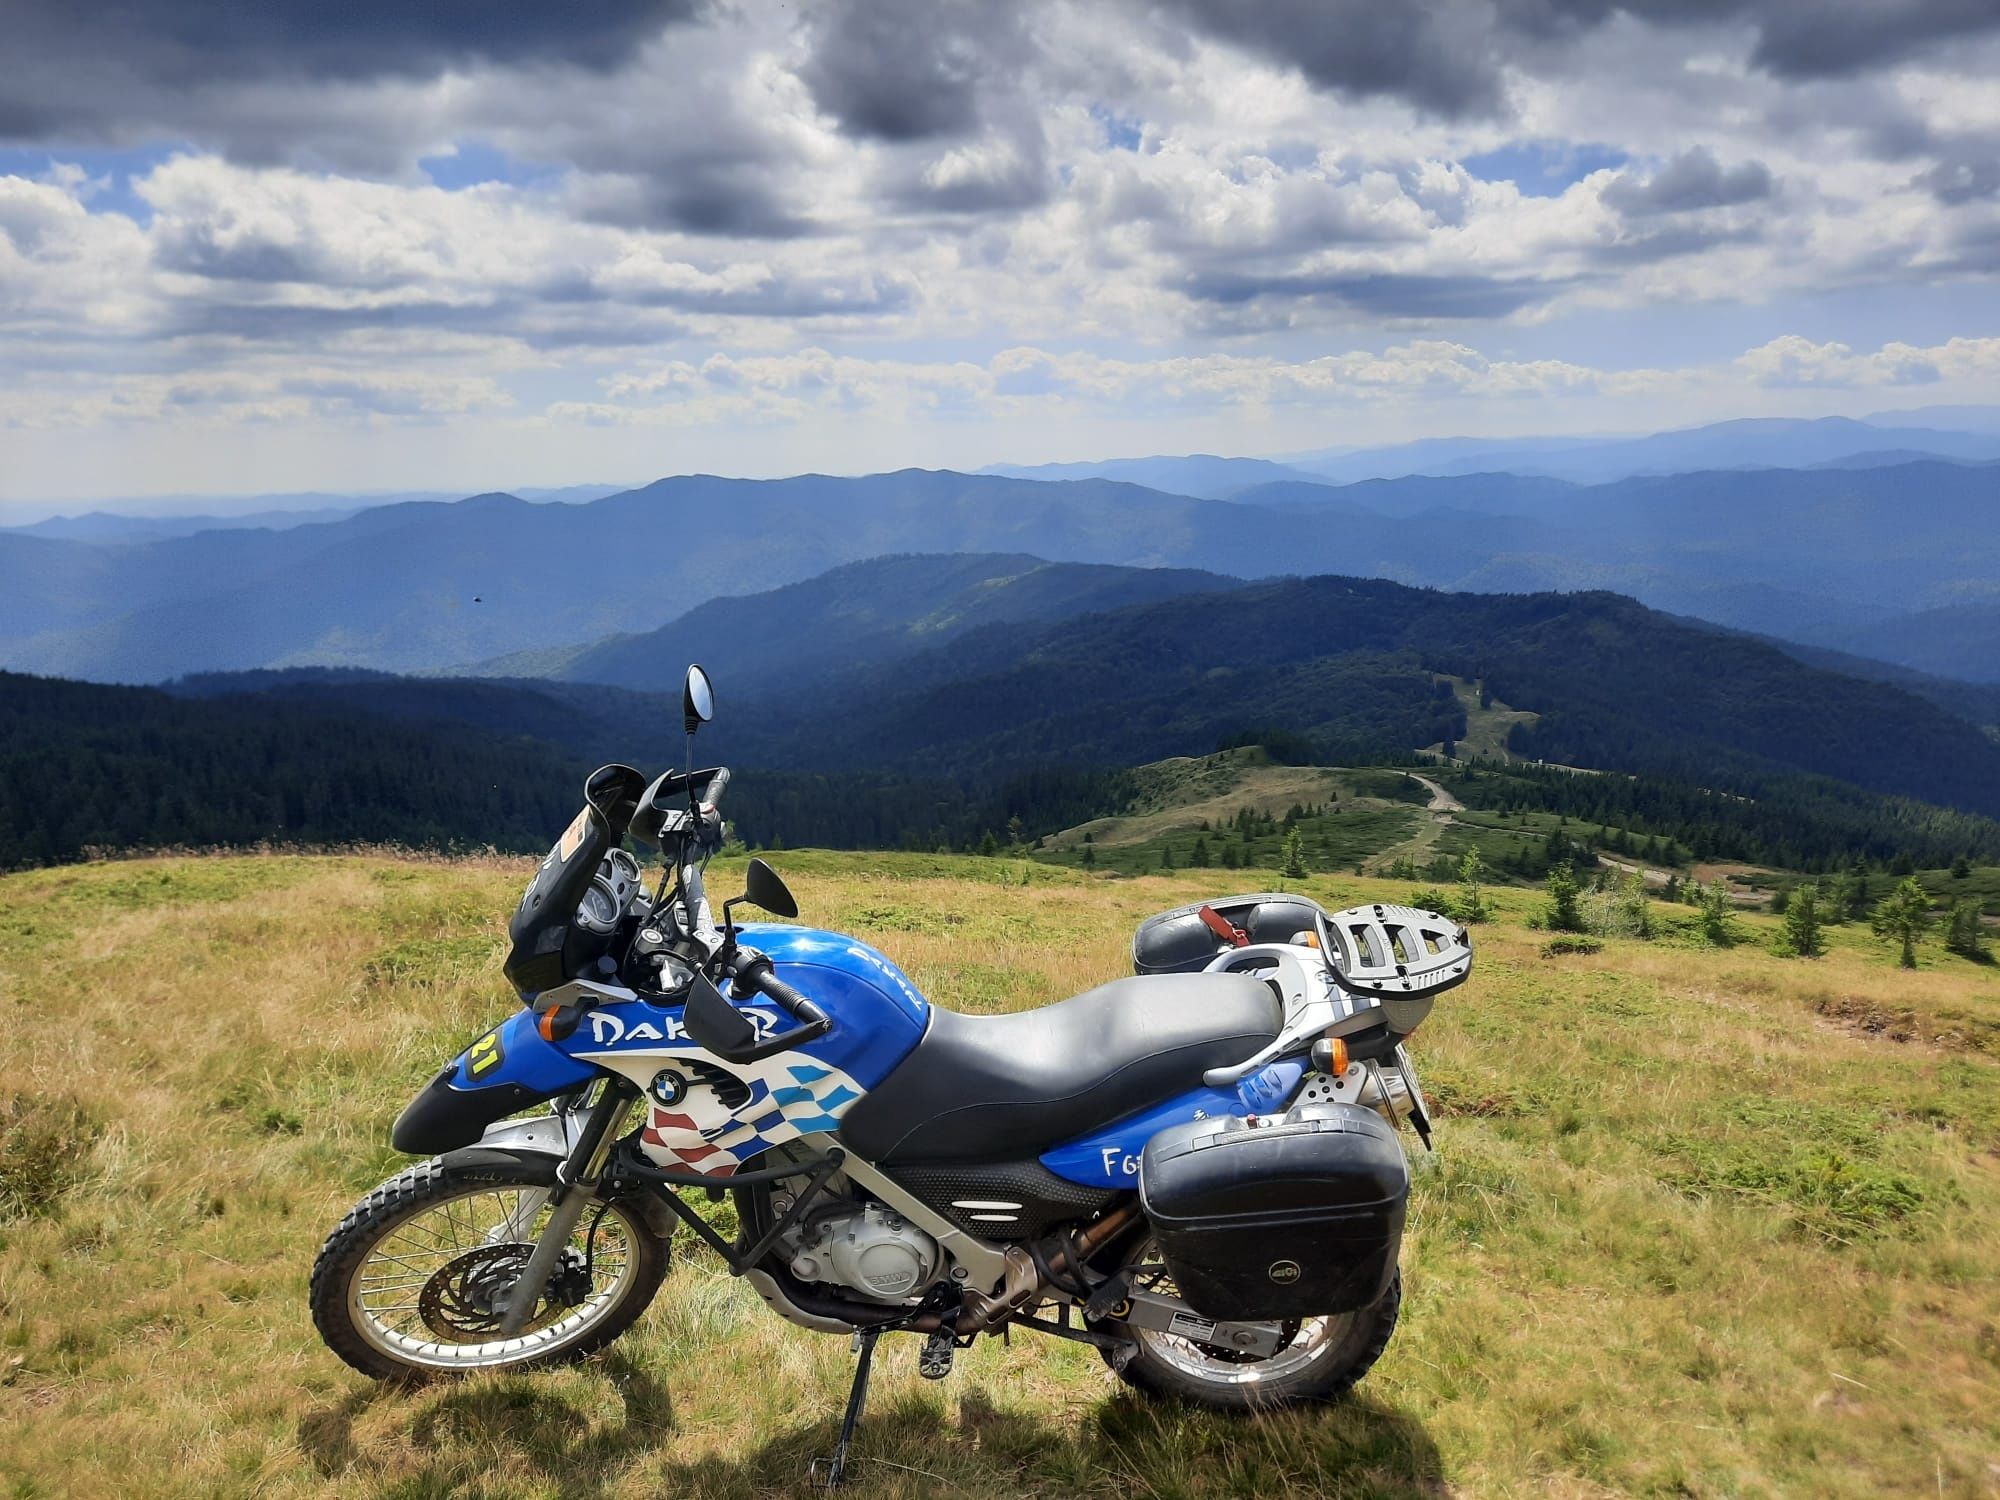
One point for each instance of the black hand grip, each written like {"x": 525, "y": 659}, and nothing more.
{"x": 718, "y": 784}
{"x": 757, "y": 974}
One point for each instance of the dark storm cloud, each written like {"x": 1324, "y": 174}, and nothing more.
{"x": 1965, "y": 180}
{"x": 1800, "y": 40}
{"x": 1796, "y": 39}
{"x": 1438, "y": 57}
{"x": 1449, "y": 57}
{"x": 911, "y": 70}
{"x": 1693, "y": 180}
{"x": 171, "y": 41}
{"x": 701, "y": 196}
{"x": 270, "y": 82}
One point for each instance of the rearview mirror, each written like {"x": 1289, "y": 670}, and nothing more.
{"x": 764, "y": 887}
{"x": 697, "y": 699}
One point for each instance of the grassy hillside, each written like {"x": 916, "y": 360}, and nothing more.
{"x": 1701, "y": 1222}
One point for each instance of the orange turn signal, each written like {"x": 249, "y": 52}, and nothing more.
{"x": 547, "y": 1026}
{"x": 1336, "y": 1057}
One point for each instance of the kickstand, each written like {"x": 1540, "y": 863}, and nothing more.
{"x": 830, "y": 1472}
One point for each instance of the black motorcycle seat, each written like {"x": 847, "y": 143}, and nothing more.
{"x": 994, "y": 1088}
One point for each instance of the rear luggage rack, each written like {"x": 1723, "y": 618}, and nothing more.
{"x": 1397, "y": 952}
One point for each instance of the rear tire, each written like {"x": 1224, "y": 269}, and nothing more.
{"x": 386, "y": 1290}
{"x": 1325, "y": 1358}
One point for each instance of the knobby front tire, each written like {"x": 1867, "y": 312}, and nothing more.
{"x": 403, "y": 1288}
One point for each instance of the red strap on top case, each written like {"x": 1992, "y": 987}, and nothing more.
{"x": 1223, "y": 928}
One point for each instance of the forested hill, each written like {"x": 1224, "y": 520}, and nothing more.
{"x": 328, "y": 758}
{"x": 84, "y": 765}
{"x": 1617, "y": 685}
{"x": 1029, "y": 720}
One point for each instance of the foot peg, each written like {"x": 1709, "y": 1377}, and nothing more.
{"x": 1111, "y": 1299}
{"x": 934, "y": 1363}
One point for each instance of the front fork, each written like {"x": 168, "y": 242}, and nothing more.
{"x": 576, "y": 1175}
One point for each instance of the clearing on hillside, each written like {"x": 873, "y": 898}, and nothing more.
{"x": 1487, "y": 726}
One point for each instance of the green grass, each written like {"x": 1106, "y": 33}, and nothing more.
{"x": 1701, "y": 1221}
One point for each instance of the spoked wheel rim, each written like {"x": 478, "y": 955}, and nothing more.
{"x": 1307, "y": 1339}
{"x": 428, "y": 1292}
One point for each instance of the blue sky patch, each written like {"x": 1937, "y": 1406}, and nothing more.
{"x": 115, "y": 169}
{"x": 1121, "y": 132}
{"x": 472, "y": 163}
{"x": 1542, "y": 169}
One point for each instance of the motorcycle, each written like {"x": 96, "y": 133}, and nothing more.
{"x": 1196, "y": 1169}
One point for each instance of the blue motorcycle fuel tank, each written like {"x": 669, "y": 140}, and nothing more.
{"x": 878, "y": 1015}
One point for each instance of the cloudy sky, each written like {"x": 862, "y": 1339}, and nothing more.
{"x": 374, "y": 245}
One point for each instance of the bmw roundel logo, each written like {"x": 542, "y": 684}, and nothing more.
{"x": 1283, "y": 1272}
{"x": 669, "y": 1087}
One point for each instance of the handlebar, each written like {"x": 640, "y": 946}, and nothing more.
{"x": 718, "y": 784}
{"x": 756, "y": 973}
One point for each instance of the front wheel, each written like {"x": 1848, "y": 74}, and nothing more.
{"x": 1321, "y": 1359}
{"x": 411, "y": 1282}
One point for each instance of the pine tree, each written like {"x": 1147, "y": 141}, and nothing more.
{"x": 1199, "y": 858}
{"x": 1561, "y": 914}
{"x": 1964, "y": 934}
{"x": 1802, "y": 939}
{"x": 1712, "y": 901}
{"x": 1904, "y": 916}
{"x": 1960, "y": 868}
{"x": 1089, "y": 855}
{"x": 1166, "y": 857}
{"x": 1471, "y": 906}
{"x": 1292, "y": 863}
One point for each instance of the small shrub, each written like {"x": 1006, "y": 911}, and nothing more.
{"x": 1557, "y": 947}
{"x": 1621, "y": 910}
{"x": 45, "y": 1139}
{"x": 1433, "y": 898}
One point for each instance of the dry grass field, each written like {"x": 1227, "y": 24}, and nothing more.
{"x": 1701, "y": 1222}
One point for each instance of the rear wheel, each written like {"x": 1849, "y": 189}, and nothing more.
{"x": 411, "y": 1283}
{"x": 1320, "y": 1360}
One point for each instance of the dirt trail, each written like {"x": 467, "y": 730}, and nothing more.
{"x": 1441, "y": 800}
{"x": 1418, "y": 846}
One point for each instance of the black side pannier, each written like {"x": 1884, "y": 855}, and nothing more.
{"x": 1179, "y": 942}
{"x": 1294, "y": 1216}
